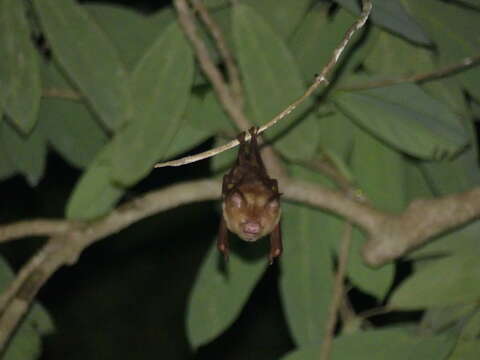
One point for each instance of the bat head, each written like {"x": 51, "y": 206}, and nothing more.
{"x": 252, "y": 211}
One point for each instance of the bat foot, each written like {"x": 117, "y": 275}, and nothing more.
{"x": 273, "y": 255}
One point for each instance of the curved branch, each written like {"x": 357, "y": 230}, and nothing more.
{"x": 39, "y": 227}
{"x": 66, "y": 247}
{"x": 389, "y": 236}
{"x": 321, "y": 79}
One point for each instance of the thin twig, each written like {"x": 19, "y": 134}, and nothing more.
{"x": 66, "y": 94}
{"x": 230, "y": 64}
{"x": 186, "y": 19}
{"x": 320, "y": 79}
{"x": 464, "y": 64}
{"x": 338, "y": 291}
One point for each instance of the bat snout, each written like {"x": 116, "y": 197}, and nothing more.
{"x": 251, "y": 231}
{"x": 251, "y": 228}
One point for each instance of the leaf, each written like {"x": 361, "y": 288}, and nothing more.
{"x": 142, "y": 29}
{"x": 394, "y": 56}
{"x": 468, "y": 344}
{"x": 391, "y": 15}
{"x": 218, "y": 297}
{"x": 336, "y": 134}
{"x": 272, "y": 81}
{"x": 448, "y": 281}
{"x": 466, "y": 350}
{"x": 444, "y": 318}
{"x": 283, "y": 17}
{"x": 69, "y": 126}
{"x": 161, "y": 86}
{"x": 195, "y": 127}
{"x": 89, "y": 59}
{"x": 26, "y": 152}
{"x": 407, "y": 118}
{"x": 379, "y": 171}
{"x": 72, "y": 130}
{"x": 454, "y": 42}
{"x": 95, "y": 194}
{"x": 19, "y": 74}
{"x": 392, "y": 344}
{"x": 307, "y": 269}
{"x": 313, "y": 42}
{"x": 7, "y": 169}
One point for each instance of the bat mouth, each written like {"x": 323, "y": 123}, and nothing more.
{"x": 250, "y": 237}
{"x": 251, "y": 231}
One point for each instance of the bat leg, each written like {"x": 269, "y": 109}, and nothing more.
{"x": 222, "y": 241}
{"x": 276, "y": 247}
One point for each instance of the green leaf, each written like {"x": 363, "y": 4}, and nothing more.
{"x": 468, "y": 344}
{"x": 379, "y": 171}
{"x": 72, "y": 130}
{"x": 161, "y": 86}
{"x": 208, "y": 115}
{"x": 95, "y": 194}
{"x": 283, "y": 17}
{"x": 26, "y": 152}
{"x": 453, "y": 42}
{"x": 464, "y": 165}
{"x": 336, "y": 134}
{"x": 272, "y": 81}
{"x": 391, "y": 15}
{"x": 392, "y": 344}
{"x": 69, "y": 126}
{"x": 393, "y": 56}
{"x": 307, "y": 268}
{"x": 142, "y": 29}
{"x": 195, "y": 127}
{"x": 448, "y": 281}
{"x": 88, "y": 57}
{"x": 19, "y": 73}
{"x": 445, "y": 318}
{"x": 7, "y": 168}
{"x": 466, "y": 350}
{"x": 25, "y": 345}
{"x": 317, "y": 36}
{"x": 218, "y": 297}
{"x": 407, "y": 118}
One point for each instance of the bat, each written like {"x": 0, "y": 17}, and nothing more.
{"x": 250, "y": 200}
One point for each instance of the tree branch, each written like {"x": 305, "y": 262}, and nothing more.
{"x": 338, "y": 292}
{"x": 232, "y": 105}
{"x": 216, "y": 32}
{"x": 66, "y": 247}
{"x": 187, "y": 21}
{"x": 321, "y": 79}
{"x": 39, "y": 227}
{"x": 463, "y": 64}
{"x": 389, "y": 236}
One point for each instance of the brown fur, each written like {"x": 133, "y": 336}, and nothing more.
{"x": 251, "y": 201}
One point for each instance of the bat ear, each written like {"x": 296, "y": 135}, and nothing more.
{"x": 274, "y": 204}
{"x": 236, "y": 199}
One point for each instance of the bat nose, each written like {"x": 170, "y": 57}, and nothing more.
{"x": 251, "y": 227}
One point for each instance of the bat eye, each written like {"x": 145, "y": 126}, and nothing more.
{"x": 236, "y": 199}
{"x": 273, "y": 204}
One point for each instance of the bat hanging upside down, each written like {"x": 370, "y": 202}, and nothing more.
{"x": 251, "y": 201}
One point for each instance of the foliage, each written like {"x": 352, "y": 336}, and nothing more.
{"x": 114, "y": 102}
